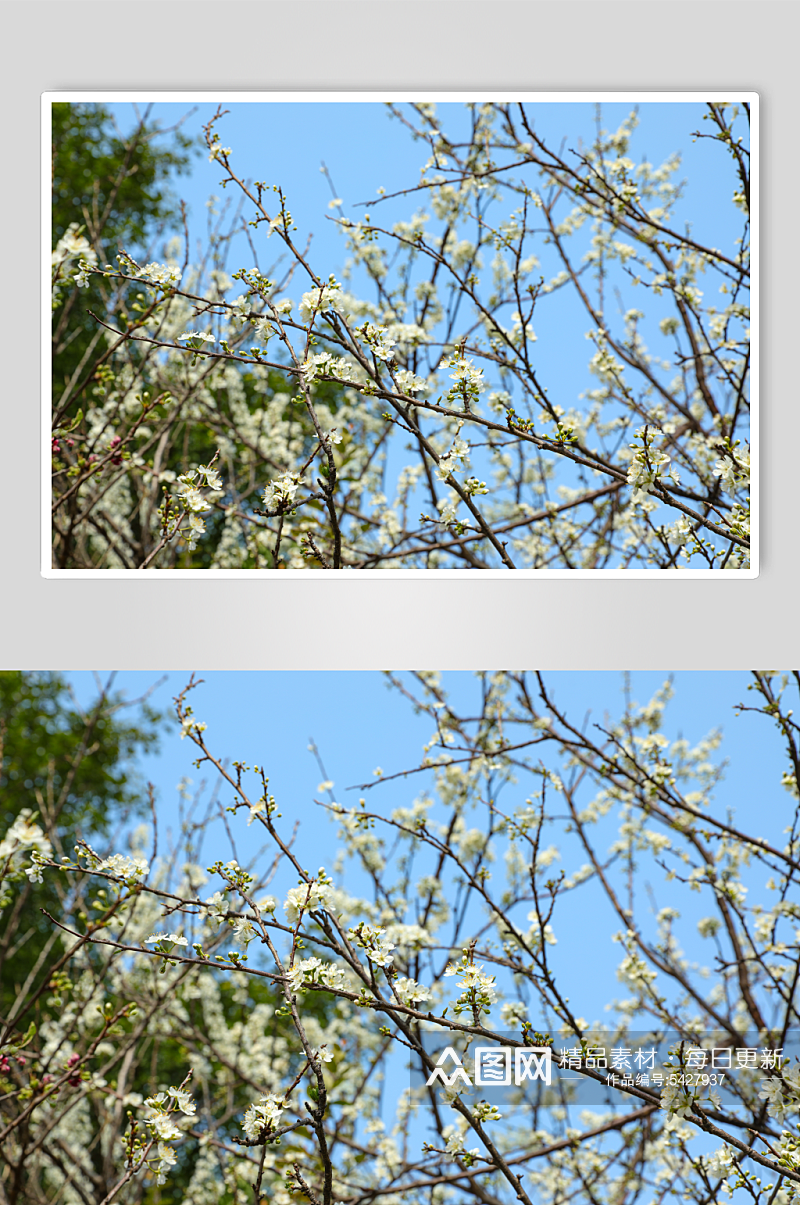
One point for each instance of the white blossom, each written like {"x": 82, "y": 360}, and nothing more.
{"x": 164, "y": 1127}
{"x": 124, "y": 867}
{"x": 375, "y": 943}
{"x": 24, "y": 833}
{"x": 183, "y": 1100}
{"x": 772, "y": 1093}
{"x": 244, "y": 931}
{"x": 410, "y": 992}
{"x": 160, "y": 274}
{"x": 720, "y": 1163}
{"x": 282, "y": 491}
{"x": 305, "y": 898}
{"x": 265, "y": 1114}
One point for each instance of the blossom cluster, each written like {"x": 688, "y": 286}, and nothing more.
{"x": 469, "y": 381}
{"x": 162, "y": 1124}
{"x": 478, "y": 990}
{"x": 375, "y": 943}
{"x": 72, "y": 246}
{"x": 193, "y": 502}
{"x": 25, "y": 837}
{"x": 280, "y": 493}
{"x": 648, "y": 466}
{"x": 313, "y": 971}
{"x": 264, "y": 1115}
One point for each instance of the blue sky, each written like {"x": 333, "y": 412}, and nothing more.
{"x": 285, "y": 143}
{"x": 267, "y": 718}
{"x": 364, "y": 148}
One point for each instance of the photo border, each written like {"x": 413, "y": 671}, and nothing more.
{"x": 481, "y": 95}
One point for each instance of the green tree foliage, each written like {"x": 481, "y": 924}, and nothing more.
{"x": 70, "y": 1026}
{"x": 116, "y": 187}
{"x": 73, "y": 767}
{"x": 111, "y": 194}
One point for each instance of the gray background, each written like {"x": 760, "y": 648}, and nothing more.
{"x": 378, "y": 621}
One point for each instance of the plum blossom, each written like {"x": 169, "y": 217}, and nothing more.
{"x": 468, "y": 379}
{"x": 409, "y": 992}
{"x": 183, "y": 1100}
{"x": 675, "y": 1100}
{"x": 265, "y": 1114}
{"x": 647, "y": 466}
{"x": 167, "y": 1158}
{"x": 165, "y": 275}
{"x": 378, "y": 340}
{"x": 733, "y": 471}
{"x": 454, "y": 1142}
{"x": 304, "y": 899}
{"x": 173, "y": 939}
{"x": 456, "y": 458}
{"x": 317, "y": 364}
{"x": 772, "y": 1093}
{"x": 22, "y": 834}
{"x": 375, "y": 943}
{"x": 124, "y": 867}
{"x": 217, "y": 150}
{"x": 315, "y": 971}
{"x": 212, "y": 477}
{"x": 302, "y": 970}
{"x": 244, "y": 931}
{"x": 164, "y": 1126}
{"x": 477, "y": 988}
{"x": 70, "y": 247}
{"x": 190, "y": 725}
{"x": 720, "y": 1163}
{"x": 512, "y": 1012}
{"x": 83, "y": 275}
{"x": 34, "y": 871}
{"x": 188, "y": 492}
{"x": 328, "y": 296}
{"x": 408, "y": 382}
{"x": 280, "y": 493}
{"x": 196, "y": 337}
{"x": 217, "y": 906}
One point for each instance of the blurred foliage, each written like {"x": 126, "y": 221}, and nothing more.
{"x": 76, "y": 769}
{"x": 115, "y": 186}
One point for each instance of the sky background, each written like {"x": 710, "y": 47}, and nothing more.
{"x": 268, "y": 718}
{"x": 364, "y": 148}
{"x": 286, "y": 142}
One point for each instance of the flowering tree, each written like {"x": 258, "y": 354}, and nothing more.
{"x": 400, "y": 418}
{"x": 226, "y": 1045}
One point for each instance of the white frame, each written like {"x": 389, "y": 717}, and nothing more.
{"x": 222, "y": 97}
